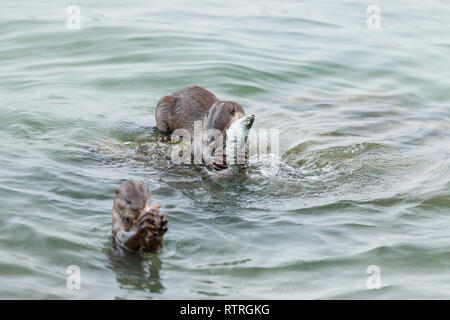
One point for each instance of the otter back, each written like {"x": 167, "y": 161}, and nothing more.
{"x": 181, "y": 109}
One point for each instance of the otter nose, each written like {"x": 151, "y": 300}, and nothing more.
{"x": 139, "y": 209}
{"x": 135, "y": 208}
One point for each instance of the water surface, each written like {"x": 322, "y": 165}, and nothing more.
{"x": 364, "y": 145}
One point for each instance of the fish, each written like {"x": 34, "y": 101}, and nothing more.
{"x": 236, "y": 138}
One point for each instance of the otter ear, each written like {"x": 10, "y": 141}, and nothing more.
{"x": 117, "y": 192}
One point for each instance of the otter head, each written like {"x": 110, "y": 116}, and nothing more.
{"x": 229, "y": 118}
{"x": 136, "y": 225}
{"x": 222, "y": 114}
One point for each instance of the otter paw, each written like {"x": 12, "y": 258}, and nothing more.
{"x": 164, "y": 223}
{"x": 152, "y": 226}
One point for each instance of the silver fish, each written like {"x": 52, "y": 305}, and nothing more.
{"x": 237, "y": 135}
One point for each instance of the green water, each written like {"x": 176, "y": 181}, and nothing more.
{"x": 364, "y": 128}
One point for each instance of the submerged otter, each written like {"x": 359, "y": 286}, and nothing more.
{"x": 183, "y": 108}
{"x": 135, "y": 225}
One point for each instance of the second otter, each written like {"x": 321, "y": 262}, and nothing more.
{"x": 135, "y": 225}
{"x": 186, "y": 106}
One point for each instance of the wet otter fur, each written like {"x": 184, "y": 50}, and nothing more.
{"x": 135, "y": 225}
{"x": 181, "y": 109}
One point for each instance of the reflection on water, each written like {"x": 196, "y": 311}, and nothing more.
{"x": 136, "y": 271}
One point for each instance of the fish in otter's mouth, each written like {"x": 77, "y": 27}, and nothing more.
{"x": 135, "y": 225}
{"x": 236, "y": 137}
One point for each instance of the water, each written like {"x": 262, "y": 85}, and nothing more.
{"x": 364, "y": 143}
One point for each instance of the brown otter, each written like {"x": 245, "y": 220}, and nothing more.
{"x": 186, "y": 106}
{"x": 135, "y": 225}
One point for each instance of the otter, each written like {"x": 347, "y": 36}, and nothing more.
{"x": 135, "y": 225}
{"x": 188, "y": 105}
